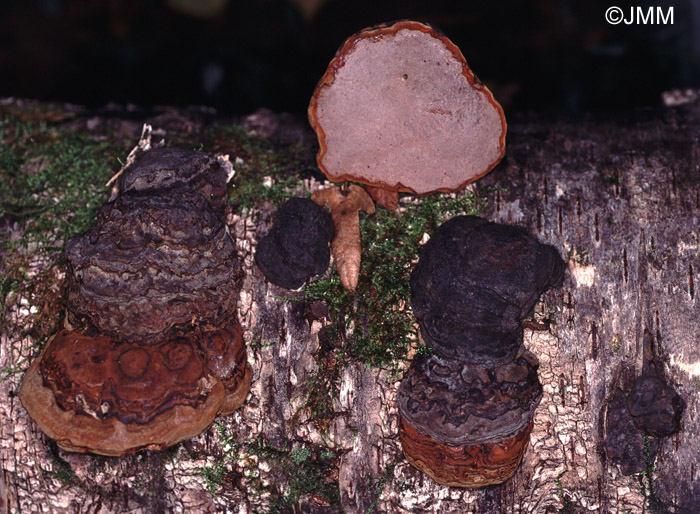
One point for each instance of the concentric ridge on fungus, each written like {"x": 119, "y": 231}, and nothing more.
{"x": 458, "y": 404}
{"x": 150, "y": 262}
{"x": 152, "y": 351}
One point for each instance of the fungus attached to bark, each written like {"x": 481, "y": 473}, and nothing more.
{"x": 474, "y": 283}
{"x": 466, "y": 413}
{"x": 464, "y": 425}
{"x": 345, "y": 205}
{"x": 296, "y": 248}
{"x": 152, "y": 351}
{"x": 151, "y": 261}
{"x": 399, "y": 108}
{"x": 163, "y": 168}
{"x": 624, "y": 443}
{"x": 655, "y": 407}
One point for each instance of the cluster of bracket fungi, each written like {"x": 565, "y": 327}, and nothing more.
{"x": 466, "y": 410}
{"x": 151, "y": 351}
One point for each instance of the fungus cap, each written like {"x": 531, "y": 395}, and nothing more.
{"x": 296, "y": 248}
{"x": 167, "y": 167}
{"x": 94, "y": 394}
{"x": 399, "y": 108}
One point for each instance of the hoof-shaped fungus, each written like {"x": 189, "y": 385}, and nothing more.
{"x": 152, "y": 351}
{"x": 467, "y": 411}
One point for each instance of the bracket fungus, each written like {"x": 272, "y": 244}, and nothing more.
{"x": 466, "y": 412}
{"x": 399, "y": 109}
{"x": 296, "y": 248}
{"x": 655, "y": 407}
{"x": 467, "y": 426}
{"x": 151, "y": 351}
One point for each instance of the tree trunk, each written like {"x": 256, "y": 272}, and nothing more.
{"x": 618, "y": 196}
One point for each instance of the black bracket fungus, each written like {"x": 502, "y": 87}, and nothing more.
{"x": 655, "y": 407}
{"x": 297, "y": 246}
{"x": 624, "y": 443}
{"x": 474, "y": 283}
{"x": 467, "y": 413}
{"x": 152, "y": 351}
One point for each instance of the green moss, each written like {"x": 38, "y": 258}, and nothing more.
{"x": 215, "y": 473}
{"x": 616, "y": 343}
{"x": 60, "y": 468}
{"x": 567, "y": 506}
{"x": 379, "y": 486}
{"x": 265, "y": 171}
{"x": 375, "y": 326}
{"x": 305, "y": 473}
{"x": 52, "y": 182}
{"x": 580, "y": 256}
{"x": 383, "y": 326}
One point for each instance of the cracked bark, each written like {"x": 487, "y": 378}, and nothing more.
{"x": 619, "y": 195}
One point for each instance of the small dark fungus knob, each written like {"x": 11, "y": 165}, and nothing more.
{"x": 656, "y": 408}
{"x": 624, "y": 443}
{"x": 297, "y": 246}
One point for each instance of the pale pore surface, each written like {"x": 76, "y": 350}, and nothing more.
{"x": 400, "y": 111}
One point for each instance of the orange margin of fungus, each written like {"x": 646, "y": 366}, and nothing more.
{"x": 378, "y": 32}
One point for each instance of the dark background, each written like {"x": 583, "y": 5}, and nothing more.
{"x": 239, "y": 55}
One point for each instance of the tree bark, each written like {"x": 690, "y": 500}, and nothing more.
{"x": 617, "y": 195}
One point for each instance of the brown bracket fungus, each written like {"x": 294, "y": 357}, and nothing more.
{"x": 399, "y": 109}
{"x": 296, "y": 248}
{"x": 345, "y": 205}
{"x": 466, "y": 426}
{"x": 152, "y": 351}
{"x": 466, "y": 413}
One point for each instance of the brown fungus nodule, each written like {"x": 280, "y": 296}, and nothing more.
{"x": 466, "y": 412}
{"x": 399, "y": 109}
{"x": 152, "y": 351}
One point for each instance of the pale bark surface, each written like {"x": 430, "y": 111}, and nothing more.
{"x": 618, "y": 196}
